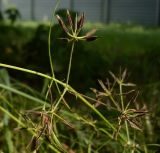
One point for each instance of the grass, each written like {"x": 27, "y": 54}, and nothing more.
{"x": 60, "y": 119}
{"x": 129, "y": 46}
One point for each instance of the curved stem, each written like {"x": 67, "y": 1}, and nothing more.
{"x": 32, "y": 72}
{"x": 49, "y": 40}
{"x": 49, "y": 52}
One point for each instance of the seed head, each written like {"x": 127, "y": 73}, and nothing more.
{"x": 73, "y": 32}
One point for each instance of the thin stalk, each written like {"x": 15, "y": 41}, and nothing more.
{"x": 95, "y": 110}
{"x": 8, "y": 103}
{"x": 23, "y": 94}
{"x": 49, "y": 52}
{"x": 50, "y": 57}
{"x": 122, "y": 104}
{"x": 59, "y": 100}
{"x": 32, "y": 72}
{"x": 70, "y": 62}
{"x": 121, "y": 95}
{"x": 154, "y": 145}
{"x": 106, "y": 132}
{"x": 58, "y": 144}
{"x": 114, "y": 102}
{"x": 127, "y": 131}
{"x": 89, "y": 148}
{"x": 68, "y": 76}
{"x": 53, "y": 111}
{"x": 49, "y": 40}
{"x": 145, "y": 149}
{"x": 12, "y": 116}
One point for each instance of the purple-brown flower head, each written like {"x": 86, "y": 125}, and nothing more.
{"x": 74, "y": 28}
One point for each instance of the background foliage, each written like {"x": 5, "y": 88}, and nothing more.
{"x": 128, "y": 46}
{"x": 118, "y": 47}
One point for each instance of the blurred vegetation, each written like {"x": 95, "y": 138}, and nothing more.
{"x": 25, "y": 44}
{"x": 12, "y": 14}
{"x": 133, "y": 47}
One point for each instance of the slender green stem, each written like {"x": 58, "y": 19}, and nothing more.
{"x": 155, "y": 145}
{"x": 8, "y": 103}
{"x": 127, "y": 131}
{"x": 58, "y": 144}
{"x": 145, "y": 149}
{"x": 49, "y": 40}
{"x": 121, "y": 95}
{"x": 114, "y": 102}
{"x": 55, "y": 107}
{"x": 106, "y": 132}
{"x": 122, "y": 104}
{"x": 70, "y": 62}
{"x": 50, "y": 58}
{"x": 32, "y": 72}
{"x": 32, "y": 98}
{"x": 67, "y": 79}
{"x": 59, "y": 100}
{"x": 89, "y": 148}
{"x": 12, "y": 116}
{"x": 95, "y": 110}
{"x": 49, "y": 51}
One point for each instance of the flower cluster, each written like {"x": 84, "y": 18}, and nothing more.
{"x": 74, "y": 28}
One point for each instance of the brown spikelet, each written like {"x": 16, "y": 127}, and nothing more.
{"x": 80, "y": 22}
{"x": 91, "y": 38}
{"x": 91, "y": 33}
{"x": 61, "y": 23}
{"x": 69, "y": 18}
{"x": 134, "y": 124}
